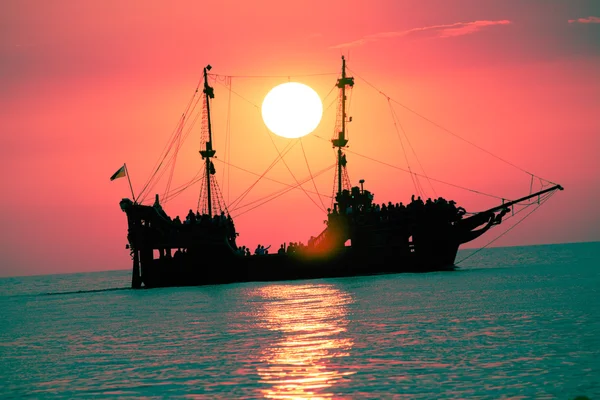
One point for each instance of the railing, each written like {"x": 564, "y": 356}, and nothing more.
{"x": 316, "y": 241}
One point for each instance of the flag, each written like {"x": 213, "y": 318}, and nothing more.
{"x": 119, "y": 174}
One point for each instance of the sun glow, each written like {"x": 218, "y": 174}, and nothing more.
{"x": 292, "y": 110}
{"x": 307, "y": 357}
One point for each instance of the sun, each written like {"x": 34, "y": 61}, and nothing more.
{"x": 292, "y": 110}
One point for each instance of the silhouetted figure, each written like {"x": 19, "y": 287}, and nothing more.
{"x": 178, "y": 254}
{"x": 190, "y": 218}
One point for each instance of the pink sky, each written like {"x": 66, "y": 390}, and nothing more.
{"x": 86, "y": 86}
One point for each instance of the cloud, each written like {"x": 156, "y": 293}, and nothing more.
{"x": 588, "y": 20}
{"x": 442, "y": 31}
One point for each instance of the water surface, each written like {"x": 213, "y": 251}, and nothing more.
{"x": 512, "y": 323}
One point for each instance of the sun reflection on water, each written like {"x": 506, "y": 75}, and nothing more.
{"x": 305, "y": 360}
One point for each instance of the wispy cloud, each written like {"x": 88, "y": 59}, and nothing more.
{"x": 442, "y": 31}
{"x": 588, "y": 20}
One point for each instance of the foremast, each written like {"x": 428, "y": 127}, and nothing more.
{"x": 212, "y": 201}
{"x": 340, "y": 141}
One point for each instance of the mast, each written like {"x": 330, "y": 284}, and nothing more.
{"x": 208, "y": 152}
{"x": 341, "y": 140}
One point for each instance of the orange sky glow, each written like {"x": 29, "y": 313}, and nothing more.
{"x": 86, "y": 86}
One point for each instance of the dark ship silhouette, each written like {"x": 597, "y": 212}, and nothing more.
{"x": 360, "y": 238}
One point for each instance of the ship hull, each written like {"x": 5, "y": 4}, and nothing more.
{"x": 201, "y": 270}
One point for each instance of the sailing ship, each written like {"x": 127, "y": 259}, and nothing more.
{"x": 361, "y": 237}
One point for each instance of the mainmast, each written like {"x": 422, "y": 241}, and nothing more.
{"x": 341, "y": 141}
{"x": 208, "y": 152}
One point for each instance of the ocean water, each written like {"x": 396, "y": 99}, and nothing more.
{"x": 513, "y": 323}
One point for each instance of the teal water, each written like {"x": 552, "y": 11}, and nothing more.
{"x": 518, "y": 323}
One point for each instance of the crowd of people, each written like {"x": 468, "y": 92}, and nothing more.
{"x": 356, "y": 203}
{"x": 291, "y": 248}
{"x": 359, "y": 202}
{"x": 204, "y": 221}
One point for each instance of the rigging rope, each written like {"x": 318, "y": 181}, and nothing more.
{"x": 289, "y": 169}
{"x": 278, "y": 193}
{"x": 417, "y": 174}
{"x": 284, "y": 191}
{"x": 166, "y": 149}
{"x": 270, "y": 179}
{"x": 412, "y": 177}
{"x": 177, "y": 141}
{"x": 539, "y": 203}
{"x": 286, "y": 149}
{"x": 396, "y": 118}
{"x": 171, "y": 161}
{"x": 446, "y": 129}
{"x": 273, "y": 76}
{"x": 177, "y": 191}
{"x": 174, "y": 158}
{"x": 227, "y": 171}
{"x": 311, "y": 177}
{"x": 280, "y": 156}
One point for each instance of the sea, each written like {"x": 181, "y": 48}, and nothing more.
{"x": 511, "y": 323}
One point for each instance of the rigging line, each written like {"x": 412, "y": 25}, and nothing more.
{"x": 334, "y": 101}
{"x": 153, "y": 178}
{"x": 220, "y": 202}
{"x": 435, "y": 180}
{"x": 289, "y": 146}
{"x": 395, "y": 115}
{"x": 531, "y": 203}
{"x": 274, "y": 180}
{"x": 447, "y": 130}
{"x": 184, "y": 186}
{"x": 258, "y": 108}
{"x": 349, "y": 102}
{"x": 176, "y": 192}
{"x": 417, "y": 174}
{"x": 289, "y": 169}
{"x": 274, "y": 76}
{"x": 404, "y": 151}
{"x": 228, "y": 140}
{"x": 197, "y": 178}
{"x": 521, "y": 207}
{"x": 261, "y": 176}
{"x": 421, "y": 189}
{"x": 163, "y": 156}
{"x": 173, "y": 163}
{"x": 173, "y": 134}
{"x": 508, "y": 230}
{"x": 524, "y": 206}
{"x": 531, "y": 185}
{"x": 330, "y": 91}
{"x": 201, "y": 192}
{"x": 240, "y": 96}
{"x": 172, "y": 159}
{"x": 311, "y": 177}
{"x": 274, "y": 195}
{"x": 278, "y": 195}
{"x": 281, "y": 158}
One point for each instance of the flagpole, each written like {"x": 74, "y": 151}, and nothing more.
{"x": 129, "y": 180}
